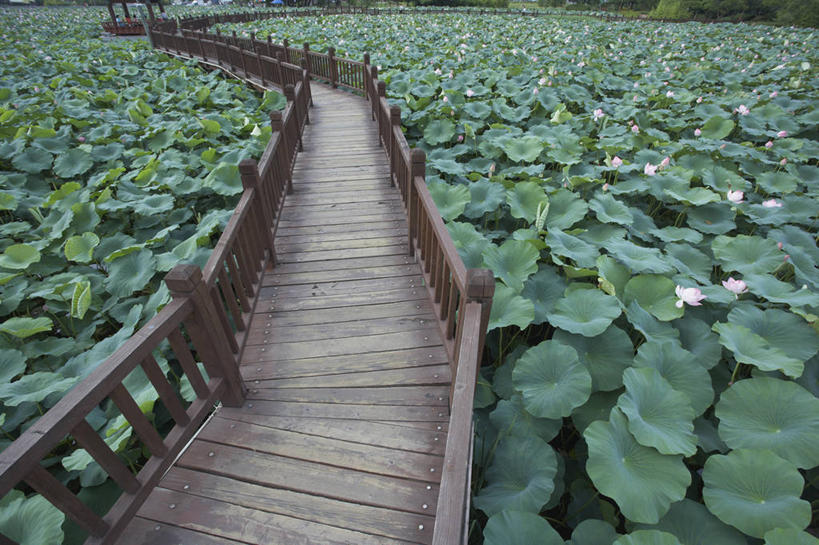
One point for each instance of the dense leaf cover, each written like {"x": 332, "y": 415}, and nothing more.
{"x": 116, "y": 163}
{"x": 646, "y": 195}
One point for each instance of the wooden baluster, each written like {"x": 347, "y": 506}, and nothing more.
{"x": 105, "y": 457}
{"x": 183, "y": 355}
{"x": 394, "y": 148}
{"x": 382, "y": 92}
{"x": 290, "y": 94}
{"x": 249, "y": 171}
{"x": 367, "y": 93}
{"x": 133, "y": 414}
{"x": 165, "y": 390}
{"x": 305, "y": 82}
{"x": 374, "y": 89}
{"x": 417, "y": 169}
{"x": 480, "y": 288}
{"x": 286, "y": 45}
{"x": 277, "y": 126}
{"x": 279, "y": 74}
{"x": 307, "y": 56}
{"x": 236, "y": 281}
{"x": 53, "y": 490}
{"x": 210, "y": 343}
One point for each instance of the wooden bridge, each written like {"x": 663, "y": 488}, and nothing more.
{"x": 340, "y": 331}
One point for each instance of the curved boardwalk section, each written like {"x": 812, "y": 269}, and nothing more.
{"x": 341, "y": 438}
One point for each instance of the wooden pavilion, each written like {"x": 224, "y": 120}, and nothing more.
{"x": 128, "y": 24}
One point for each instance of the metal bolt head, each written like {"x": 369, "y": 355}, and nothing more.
{"x": 172, "y": 506}
{"x": 186, "y": 487}
{"x": 425, "y": 506}
{"x": 432, "y": 470}
{"x": 156, "y": 527}
{"x": 420, "y": 526}
{"x": 211, "y": 454}
{"x": 429, "y": 487}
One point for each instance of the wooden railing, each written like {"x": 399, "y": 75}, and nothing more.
{"x": 206, "y": 321}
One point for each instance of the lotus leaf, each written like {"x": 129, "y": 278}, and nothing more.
{"x": 552, "y": 380}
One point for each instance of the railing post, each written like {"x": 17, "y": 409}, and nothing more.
{"x": 480, "y": 288}
{"x": 249, "y": 171}
{"x": 279, "y": 74}
{"x": 290, "y": 95}
{"x": 286, "y": 44}
{"x": 307, "y": 56}
{"x": 305, "y": 88}
{"x": 276, "y": 125}
{"x": 374, "y": 98}
{"x": 208, "y": 339}
{"x": 367, "y": 82}
{"x": 331, "y": 53}
{"x": 382, "y": 93}
{"x": 393, "y": 148}
{"x": 418, "y": 167}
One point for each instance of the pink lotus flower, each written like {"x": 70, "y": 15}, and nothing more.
{"x": 783, "y": 162}
{"x": 743, "y": 110}
{"x": 541, "y": 81}
{"x": 605, "y": 187}
{"x": 690, "y": 296}
{"x": 635, "y": 129}
{"x": 665, "y": 162}
{"x": 491, "y": 168}
{"x": 699, "y": 100}
{"x": 598, "y": 113}
{"x": 782, "y": 134}
{"x": 772, "y": 203}
{"x": 769, "y": 144}
{"x": 446, "y": 98}
{"x": 773, "y": 95}
{"x": 697, "y": 132}
{"x": 650, "y": 170}
{"x": 460, "y": 138}
{"x": 470, "y": 93}
{"x": 81, "y": 139}
{"x": 735, "y": 286}
{"x": 535, "y": 91}
{"x": 616, "y": 162}
{"x": 735, "y": 196}
{"x": 437, "y": 71}
{"x": 670, "y": 94}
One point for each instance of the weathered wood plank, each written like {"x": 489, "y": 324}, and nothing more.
{"x": 141, "y": 531}
{"x": 281, "y": 281}
{"x": 352, "y": 516}
{"x": 324, "y": 450}
{"x": 385, "y": 413}
{"x": 336, "y": 301}
{"x": 399, "y": 223}
{"x": 329, "y": 255}
{"x": 430, "y": 396}
{"x": 332, "y": 315}
{"x": 239, "y": 523}
{"x": 264, "y": 334}
{"x": 341, "y": 287}
{"x": 312, "y": 478}
{"x": 427, "y": 375}
{"x": 340, "y": 219}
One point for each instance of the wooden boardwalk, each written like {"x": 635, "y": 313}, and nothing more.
{"x": 342, "y": 436}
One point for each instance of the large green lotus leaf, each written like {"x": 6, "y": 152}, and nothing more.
{"x": 80, "y": 248}
{"x": 551, "y": 379}
{"x": 519, "y": 528}
{"x": 469, "y": 243}
{"x": 696, "y": 337}
{"x": 783, "y": 330}
{"x": 606, "y": 356}
{"x": 692, "y": 524}
{"x": 614, "y": 273}
{"x": 585, "y": 312}
{"x": 34, "y": 387}
{"x": 750, "y": 348}
{"x": 772, "y": 414}
{"x": 523, "y": 149}
{"x": 30, "y": 521}
{"x": 513, "y": 262}
{"x": 638, "y": 258}
{"x": 130, "y": 273}
{"x": 714, "y": 218}
{"x": 598, "y": 407}
{"x": 108, "y": 152}
{"x": 747, "y": 254}
{"x": 679, "y": 367}
{"x": 19, "y": 256}
{"x": 24, "y": 327}
{"x": 224, "y": 180}
{"x": 544, "y": 288}
{"x": 776, "y": 291}
{"x": 73, "y": 163}
{"x": 524, "y": 199}
{"x": 32, "y": 161}
{"x": 593, "y": 532}
{"x": 643, "y": 482}
{"x": 655, "y": 293}
{"x": 755, "y": 491}
{"x": 485, "y": 196}
{"x": 566, "y": 245}
{"x": 510, "y": 417}
{"x": 610, "y": 210}
{"x": 565, "y": 209}
{"x": 449, "y": 199}
{"x": 478, "y": 110}
{"x": 648, "y": 537}
{"x": 789, "y": 536}
{"x": 153, "y": 204}
{"x": 658, "y": 416}
{"x": 439, "y": 131}
{"x": 12, "y": 363}
{"x": 693, "y": 196}
{"x": 777, "y": 182}
{"x": 521, "y": 476}
{"x": 509, "y": 308}
{"x": 717, "y": 128}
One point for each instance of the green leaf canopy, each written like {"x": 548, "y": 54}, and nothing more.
{"x": 552, "y": 380}
{"x": 519, "y": 528}
{"x": 585, "y": 312}
{"x": 513, "y": 262}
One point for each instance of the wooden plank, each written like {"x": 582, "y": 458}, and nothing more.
{"x": 337, "y": 301}
{"x": 281, "y": 281}
{"x": 239, "y": 523}
{"x": 324, "y": 208}
{"x": 339, "y": 219}
{"x": 323, "y": 450}
{"x": 356, "y": 286}
{"x": 309, "y": 195}
{"x": 352, "y": 516}
{"x": 141, "y": 531}
{"x": 393, "y": 232}
{"x": 394, "y": 223}
{"x": 386, "y": 413}
{"x": 338, "y": 347}
{"x": 352, "y": 363}
{"x": 329, "y": 255}
{"x": 359, "y": 431}
{"x": 264, "y": 334}
{"x": 324, "y": 316}
{"x": 312, "y": 478}
{"x": 387, "y": 394}
{"x": 426, "y": 375}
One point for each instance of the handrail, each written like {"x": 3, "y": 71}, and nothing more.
{"x": 206, "y": 321}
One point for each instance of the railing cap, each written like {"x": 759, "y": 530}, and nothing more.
{"x": 480, "y": 284}
{"x": 183, "y": 279}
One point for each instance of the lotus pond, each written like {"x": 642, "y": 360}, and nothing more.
{"x": 646, "y": 195}
{"x": 116, "y": 163}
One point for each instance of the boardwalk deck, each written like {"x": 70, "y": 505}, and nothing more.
{"x": 342, "y": 436}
